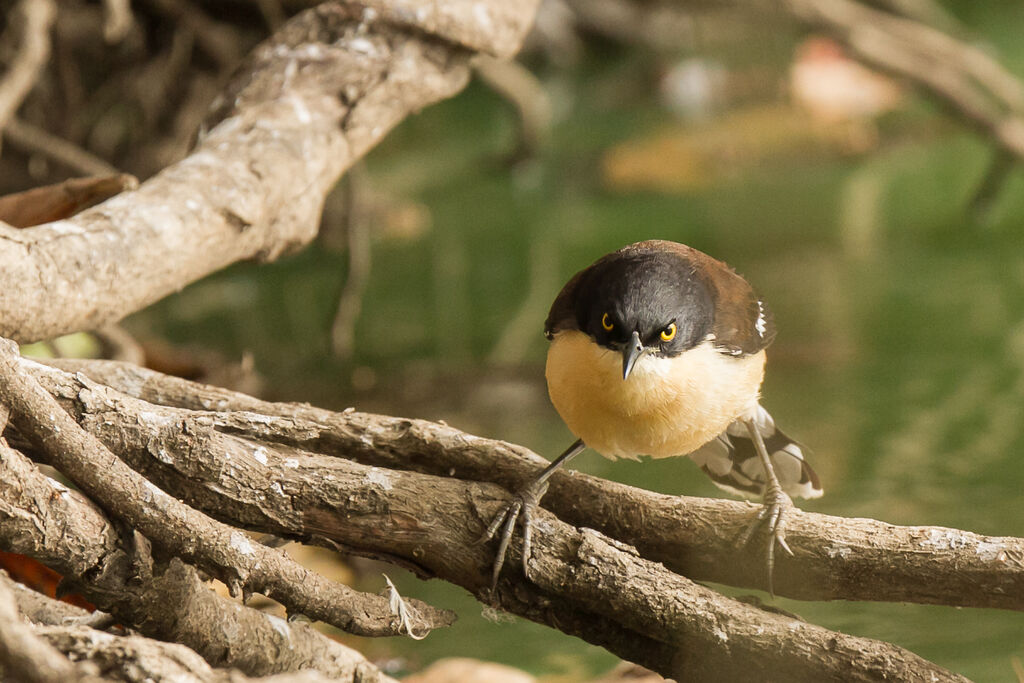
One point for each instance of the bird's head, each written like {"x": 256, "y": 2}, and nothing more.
{"x": 649, "y": 302}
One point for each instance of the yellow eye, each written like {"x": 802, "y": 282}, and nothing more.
{"x": 606, "y": 322}
{"x": 669, "y": 333}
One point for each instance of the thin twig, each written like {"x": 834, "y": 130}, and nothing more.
{"x": 960, "y": 75}
{"x": 218, "y": 40}
{"x": 360, "y": 259}
{"x": 30, "y": 138}
{"x": 118, "y": 20}
{"x": 37, "y": 17}
{"x": 523, "y": 90}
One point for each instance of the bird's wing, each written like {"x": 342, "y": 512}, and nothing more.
{"x": 743, "y": 322}
{"x": 732, "y": 463}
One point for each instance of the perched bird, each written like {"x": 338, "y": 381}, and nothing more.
{"x": 658, "y": 349}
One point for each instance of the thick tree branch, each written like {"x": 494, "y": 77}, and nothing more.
{"x": 24, "y": 656}
{"x": 39, "y": 608}
{"x": 306, "y": 105}
{"x": 59, "y": 631}
{"x": 134, "y": 659}
{"x": 835, "y": 558}
{"x": 65, "y": 531}
{"x": 432, "y": 524}
{"x": 179, "y": 530}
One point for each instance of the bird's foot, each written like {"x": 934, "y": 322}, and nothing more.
{"x": 523, "y": 503}
{"x": 775, "y": 507}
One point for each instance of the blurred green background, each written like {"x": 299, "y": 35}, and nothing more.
{"x": 900, "y": 354}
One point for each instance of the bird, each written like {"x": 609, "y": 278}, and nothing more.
{"x": 658, "y": 349}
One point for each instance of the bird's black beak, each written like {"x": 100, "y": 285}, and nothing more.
{"x": 630, "y": 353}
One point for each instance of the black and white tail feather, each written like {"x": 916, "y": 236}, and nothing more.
{"x": 732, "y": 463}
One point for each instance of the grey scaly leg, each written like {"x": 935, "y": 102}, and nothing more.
{"x": 526, "y": 499}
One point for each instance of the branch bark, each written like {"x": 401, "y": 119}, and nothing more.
{"x": 134, "y": 659}
{"x": 307, "y": 104}
{"x": 243, "y": 565}
{"x": 58, "y": 631}
{"x": 834, "y": 558}
{"x": 25, "y": 656}
{"x": 582, "y": 583}
{"x": 65, "y": 531}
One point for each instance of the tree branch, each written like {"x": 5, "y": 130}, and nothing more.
{"x": 432, "y": 524}
{"x": 134, "y": 659}
{"x": 834, "y": 558}
{"x": 39, "y": 608}
{"x": 222, "y": 551}
{"x": 65, "y": 531}
{"x": 24, "y": 656}
{"x": 36, "y": 17}
{"x": 58, "y": 632}
{"x": 307, "y": 103}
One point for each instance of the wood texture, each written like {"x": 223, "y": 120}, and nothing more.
{"x": 348, "y": 480}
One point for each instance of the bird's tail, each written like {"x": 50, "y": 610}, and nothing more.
{"x": 732, "y": 463}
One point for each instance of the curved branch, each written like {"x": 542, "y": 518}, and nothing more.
{"x": 65, "y": 531}
{"x": 582, "y": 583}
{"x": 180, "y": 530}
{"x": 834, "y": 558}
{"x": 308, "y": 103}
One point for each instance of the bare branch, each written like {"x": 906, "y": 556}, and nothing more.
{"x": 219, "y": 41}
{"x": 39, "y": 608}
{"x": 33, "y": 139}
{"x": 308, "y": 103}
{"x": 24, "y": 656}
{"x": 519, "y": 87}
{"x": 59, "y": 527}
{"x": 969, "y": 81}
{"x": 180, "y": 530}
{"x": 360, "y": 255}
{"x": 432, "y": 525}
{"x": 134, "y": 658}
{"x": 37, "y": 16}
{"x": 835, "y": 558}
{"x": 140, "y": 660}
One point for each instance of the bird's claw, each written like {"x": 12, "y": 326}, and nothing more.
{"x": 524, "y": 503}
{"x": 773, "y": 511}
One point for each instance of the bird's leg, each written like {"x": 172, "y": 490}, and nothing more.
{"x": 526, "y": 499}
{"x": 776, "y": 504}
